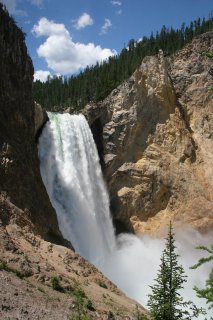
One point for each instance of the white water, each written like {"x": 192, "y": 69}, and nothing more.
{"x": 72, "y": 175}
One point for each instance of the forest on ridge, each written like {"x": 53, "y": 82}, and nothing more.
{"x": 96, "y": 82}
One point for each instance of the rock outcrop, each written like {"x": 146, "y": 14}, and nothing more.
{"x": 40, "y": 119}
{"x": 157, "y": 141}
{"x": 23, "y": 197}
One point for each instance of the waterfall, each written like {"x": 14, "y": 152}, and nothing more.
{"x": 71, "y": 172}
{"x": 72, "y": 175}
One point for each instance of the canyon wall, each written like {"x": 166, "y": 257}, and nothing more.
{"x": 23, "y": 197}
{"x": 155, "y": 137}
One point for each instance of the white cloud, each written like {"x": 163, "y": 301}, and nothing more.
{"x": 107, "y": 24}
{"x": 83, "y": 21}
{"x": 116, "y": 3}
{"x": 48, "y": 28}
{"x": 11, "y": 6}
{"x": 61, "y": 53}
{"x": 41, "y": 75}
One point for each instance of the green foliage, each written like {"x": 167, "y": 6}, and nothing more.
{"x": 207, "y": 292}
{"x": 102, "y": 284}
{"x": 18, "y": 273}
{"x": 209, "y": 54}
{"x": 55, "y": 283}
{"x": 211, "y": 89}
{"x": 166, "y": 302}
{"x": 89, "y": 305}
{"x": 4, "y": 266}
{"x": 204, "y": 260}
{"x": 97, "y": 81}
{"x": 79, "y": 293}
{"x": 80, "y": 305}
{"x": 110, "y": 315}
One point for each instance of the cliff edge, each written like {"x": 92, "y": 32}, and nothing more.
{"x": 23, "y": 197}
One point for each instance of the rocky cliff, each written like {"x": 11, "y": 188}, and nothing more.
{"x": 23, "y": 198}
{"x": 155, "y": 137}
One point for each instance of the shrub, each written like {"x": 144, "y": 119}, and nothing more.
{"x": 110, "y": 315}
{"x": 102, "y": 284}
{"x": 89, "y": 305}
{"x": 56, "y": 284}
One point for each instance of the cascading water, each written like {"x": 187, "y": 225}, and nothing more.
{"x": 72, "y": 175}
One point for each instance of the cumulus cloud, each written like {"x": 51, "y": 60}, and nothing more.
{"x": 48, "y": 28}
{"x": 41, "y": 75}
{"x": 11, "y": 6}
{"x": 61, "y": 53}
{"x": 107, "y": 24}
{"x": 83, "y": 21}
{"x": 116, "y": 3}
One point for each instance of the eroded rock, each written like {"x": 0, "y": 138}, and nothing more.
{"x": 158, "y": 141}
{"x": 23, "y": 197}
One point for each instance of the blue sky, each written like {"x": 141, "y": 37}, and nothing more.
{"x": 63, "y": 36}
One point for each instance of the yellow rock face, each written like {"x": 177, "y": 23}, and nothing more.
{"x": 158, "y": 142}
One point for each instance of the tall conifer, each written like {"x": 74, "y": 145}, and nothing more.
{"x": 165, "y": 301}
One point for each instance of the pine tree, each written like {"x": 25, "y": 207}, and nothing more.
{"x": 207, "y": 292}
{"x": 165, "y": 301}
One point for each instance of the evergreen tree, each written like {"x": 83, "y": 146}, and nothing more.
{"x": 165, "y": 301}
{"x": 207, "y": 292}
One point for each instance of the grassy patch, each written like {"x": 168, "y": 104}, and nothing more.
{"x": 79, "y": 293}
{"x": 4, "y": 266}
{"x": 82, "y": 305}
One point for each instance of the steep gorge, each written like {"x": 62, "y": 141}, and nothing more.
{"x": 157, "y": 142}
{"x": 31, "y": 245}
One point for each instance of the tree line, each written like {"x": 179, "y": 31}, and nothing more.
{"x": 96, "y": 82}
